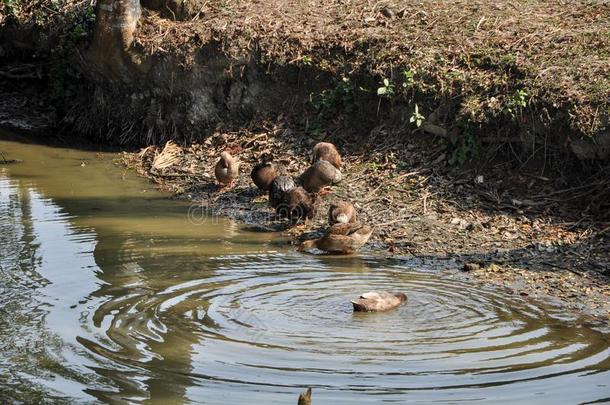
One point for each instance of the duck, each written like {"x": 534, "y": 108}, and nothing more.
{"x": 341, "y": 212}
{"x": 278, "y": 189}
{"x": 265, "y": 172}
{"x": 319, "y": 175}
{"x": 374, "y": 301}
{"x": 297, "y": 205}
{"x": 226, "y": 170}
{"x": 305, "y": 397}
{"x": 341, "y": 238}
{"x": 326, "y": 151}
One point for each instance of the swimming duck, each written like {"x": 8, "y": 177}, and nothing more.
{"x": 265, "y": 172}
{"x": 305, "y": 397}
{"x": 227, "y": 169}
{"x": 326, "y": 151}
{"x": 341, "y": 212}
{"x": 319, "y": 175}
{"x": 341, "y": 238}
{"x": 278, "y": 189}
{"x": 378, "y": 301}
{"x": 297, "y": 205}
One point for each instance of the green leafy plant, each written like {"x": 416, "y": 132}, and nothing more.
{"x": 307, "y": 60}
{"x": 387, "y": 90}
{"x": 329, "y": 101}
{"x": 464, "y": 148}
{"x": 409, "y": 78}
{"x": 417, "y": 118}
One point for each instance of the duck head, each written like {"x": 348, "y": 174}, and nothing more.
{"x": 401, "y": 296}
{"x": 308, "y": 244}
{"x": 342, "y": 218}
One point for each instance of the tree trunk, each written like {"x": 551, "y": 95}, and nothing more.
{"x": 115, "y": 24}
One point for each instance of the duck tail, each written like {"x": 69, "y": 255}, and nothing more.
{"x": 358, "y": 306}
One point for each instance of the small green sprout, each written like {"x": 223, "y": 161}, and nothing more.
{"x": 409, "y": 77}
{"x": 416, "y": 117}
{"x": 387, "y": 90}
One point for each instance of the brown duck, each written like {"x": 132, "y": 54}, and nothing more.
{"x": 319, "y": 175}
{"x": 341, "y": 238}
{"x": 227, "y": 169}
{"x": 378, "y": 301}
{"x": 341, "y": 212}
{"x": 305, "y": 397}
{"x": 297, "y": 205}
{"x": 264, "y": 173}
{"x": 326, "y": 151}
{"x": 278, "y": 190}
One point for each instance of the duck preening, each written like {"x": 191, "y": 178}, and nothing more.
{"x": 226, "y": 170}
{"x": 297, "y": 205}
{"x": 319, "y": 175}
{"x": 265, "y": 172}
{"x": 341, "y": 238}
{"x": 326, "y": 151}
{"x": 341, "y": 212}
{"x": 374, "y": 301}
{"x": 280, "y": 186}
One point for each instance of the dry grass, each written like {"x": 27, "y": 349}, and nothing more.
{"x": 476, "y": 51}
{"x": 169, "y": 156}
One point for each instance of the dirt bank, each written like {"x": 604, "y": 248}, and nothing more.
{"x": 515, "y": 229}
{"x": 532, "y": 77}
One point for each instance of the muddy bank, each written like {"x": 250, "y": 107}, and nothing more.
{"x": 506, "y": 229}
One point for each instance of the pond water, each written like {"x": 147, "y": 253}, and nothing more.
{"x": 111, "y": 292}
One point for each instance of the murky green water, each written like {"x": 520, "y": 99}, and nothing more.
{"x": 108, "y": 292}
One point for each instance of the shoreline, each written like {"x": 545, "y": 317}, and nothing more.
{"x": 533, "y": 248}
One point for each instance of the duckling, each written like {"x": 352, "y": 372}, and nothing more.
{"x": 341, "y": 212}
{"x": 298, "y": 205}
{"x": 278, "y": 189}
{"x": 341, "y": 238}
{"x": 265, "y": 172}
{"x": 378, "y": 301}
{"x": 227, "y": 169}
{"x": 319, "y": 175}
{"x": 326, "y": 151}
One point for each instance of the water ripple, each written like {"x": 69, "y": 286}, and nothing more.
{"x": 281, "y": 320}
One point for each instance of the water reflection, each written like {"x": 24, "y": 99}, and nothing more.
{"x": 110, "y": 293}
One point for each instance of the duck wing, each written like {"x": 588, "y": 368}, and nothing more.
{"x": 376, "y": 301}
{"x": 279, "y": 188}
{"x": 343, "y": 229}
{"x": 371, "y": 295}
{"x": 370, "y": 301}
{"x": 361, "y": 235}
{"x": 224, "y": 161}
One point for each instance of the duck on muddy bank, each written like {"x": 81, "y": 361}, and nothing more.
{"x": 418, "y": 209}
{"x": 297, "y": 198}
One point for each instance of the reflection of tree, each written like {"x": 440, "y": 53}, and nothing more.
{"x": 22, "y": 316}
{"x": 130, "y": 268}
